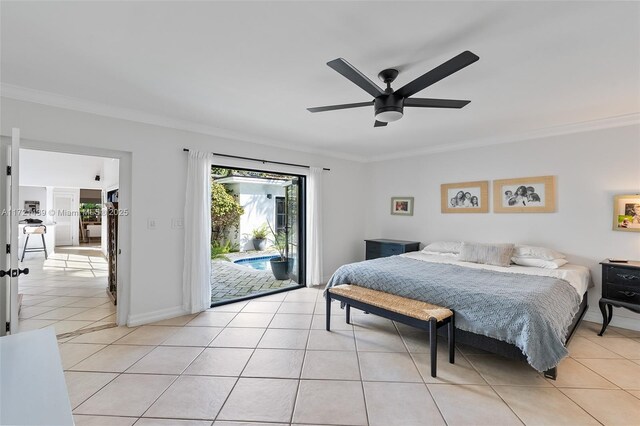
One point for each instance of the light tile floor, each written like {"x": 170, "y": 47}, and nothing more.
{"x": 269, "y": 361}
{"x": 66, "y": 291}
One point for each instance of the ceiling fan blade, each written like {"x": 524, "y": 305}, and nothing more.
{"x": 342, "y": 106}
{"x": 434, "y": 103}
{"x": 361, "y": 80}
{"x": 379, "y": 123}
{"x": 454, "y": 64}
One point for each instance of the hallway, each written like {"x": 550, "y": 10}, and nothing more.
{"x": 66, "y": 291}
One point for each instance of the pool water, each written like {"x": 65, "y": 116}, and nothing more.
{"x": 259, "y": 263}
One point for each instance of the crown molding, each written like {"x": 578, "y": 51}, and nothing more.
{"x": 75, "y": 104}
{"x": 564, "y": 129}
{"x": 52, "y": 99}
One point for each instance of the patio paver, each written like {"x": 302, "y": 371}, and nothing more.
{"x": 231, "y": 280}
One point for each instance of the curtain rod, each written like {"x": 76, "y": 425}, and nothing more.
{"x": 260, "y": 161}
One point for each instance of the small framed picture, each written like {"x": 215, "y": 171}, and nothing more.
{"x": 32, "y": 207}
{"x": 464, "y": 197}
{"x": 626, "y": 213}
{"x": 525, "y": 195}
{"x": 402, "y": 206}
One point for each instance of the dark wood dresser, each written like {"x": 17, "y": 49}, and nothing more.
{"x": 620, "y": 288}
{"x": 385, "y": 248}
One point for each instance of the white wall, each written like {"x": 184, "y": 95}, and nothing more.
{"x": 110, "y": 181}
{"x": 258, "y": 210}
{"x": 590, "y": 168}
{"x": 158, "y": 182}
{"x": 110, "y": 171}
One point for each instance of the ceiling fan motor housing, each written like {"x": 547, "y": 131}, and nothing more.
{"x": 388, "y": 107}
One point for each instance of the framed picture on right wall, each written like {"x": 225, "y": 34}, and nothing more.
{"x": 626, "y": 213}
{"x": 525, "y": 195}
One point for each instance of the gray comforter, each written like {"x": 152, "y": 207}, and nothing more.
{"x": 532, "y": 312}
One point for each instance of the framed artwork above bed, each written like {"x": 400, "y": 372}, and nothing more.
{"x": 525, "y": 195}
{"x": 465, "y": 197}
{"x": 626, "y": 213}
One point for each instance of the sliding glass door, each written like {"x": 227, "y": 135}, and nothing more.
{"x": 258, "y": 233}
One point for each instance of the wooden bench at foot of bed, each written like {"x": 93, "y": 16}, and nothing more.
{"x": 396, "y": 308}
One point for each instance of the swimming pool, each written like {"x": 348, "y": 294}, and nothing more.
{"x": 260, "y": 263}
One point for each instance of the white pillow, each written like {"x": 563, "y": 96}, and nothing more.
{"x": 537, "y": 253}
{"x": 444, "y": 247}
{"x": 489, "y": 254}
{"x": 539, "y": 263}
{"x": 441, "y": 254}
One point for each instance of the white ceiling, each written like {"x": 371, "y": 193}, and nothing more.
{"x": 253, "y": 68}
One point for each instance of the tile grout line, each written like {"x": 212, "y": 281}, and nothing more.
{"x": 402, "y": 338}
{"x": 243, "y": 368}
{"x": 299, "y": 379}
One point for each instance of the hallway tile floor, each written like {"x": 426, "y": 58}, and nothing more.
{"x": 66, "y": 291}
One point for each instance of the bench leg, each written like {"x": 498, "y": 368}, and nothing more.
{"x": 452, "y": 338}
{"x": 433, "y": 343}
{"x": 328, "y": 312}
{"x": 348, "y": 310}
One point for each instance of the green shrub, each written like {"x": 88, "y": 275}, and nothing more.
{"x": 219, "y": 251}
{"x": 225, "y": 212}
{"x": 261, "y": 232}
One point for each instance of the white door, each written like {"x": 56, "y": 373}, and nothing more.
{"x": 63, "y": 204}
{"x": 9, "y": 213}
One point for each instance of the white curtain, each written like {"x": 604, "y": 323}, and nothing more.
{"x": 314, "y": 227}
{"x": 196, "y": 285}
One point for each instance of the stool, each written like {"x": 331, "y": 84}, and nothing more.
{"x": 34, "y": 230}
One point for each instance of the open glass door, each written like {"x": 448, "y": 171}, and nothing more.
{"x": 9, "y": 213}
{"x": 292, "y": 229}
{"x": 258, "y": 230}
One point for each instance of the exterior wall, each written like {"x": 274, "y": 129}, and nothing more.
{"x": 258, "y": 210}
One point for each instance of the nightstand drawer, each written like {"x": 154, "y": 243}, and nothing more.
{"x": 622, "y": 293}
{"x": 391, "y": 250}
{"x": 623, "y": 276}
{"x": 372, "y": 253}
{"x": 385, "y": 248}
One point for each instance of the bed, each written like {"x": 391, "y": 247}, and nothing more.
{"x": 519, "y": 312}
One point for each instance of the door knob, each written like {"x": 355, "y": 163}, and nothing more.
{"x": 14, "y": 272}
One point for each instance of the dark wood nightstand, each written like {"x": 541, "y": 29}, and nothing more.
{"x": 385, "y": 248}
{"x": 620, "y": 288}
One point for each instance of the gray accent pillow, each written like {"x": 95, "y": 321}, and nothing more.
{"x": 489, "y": 254}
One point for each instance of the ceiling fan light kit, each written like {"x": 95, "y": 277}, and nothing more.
{"x": 389, "y": 104}
{"x": 388, "y": 108}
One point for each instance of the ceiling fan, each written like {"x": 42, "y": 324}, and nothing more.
{"x": 389, "y": 104}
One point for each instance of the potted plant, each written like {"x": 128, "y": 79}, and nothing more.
{"x": 279, "y": 265}
{"x": 260, "y": 237}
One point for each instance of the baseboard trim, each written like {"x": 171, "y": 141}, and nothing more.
{"x": 616, "y": 321}
{"x": 159, "y": 315}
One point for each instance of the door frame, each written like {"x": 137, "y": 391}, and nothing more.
{"x": 302, "y": 223}
{"x": 124, "y": 222}
{"x": 10, "y": 162}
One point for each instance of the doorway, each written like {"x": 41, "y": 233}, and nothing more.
{"x": 67, "y": 282}
{"x": 258, "y": 233}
